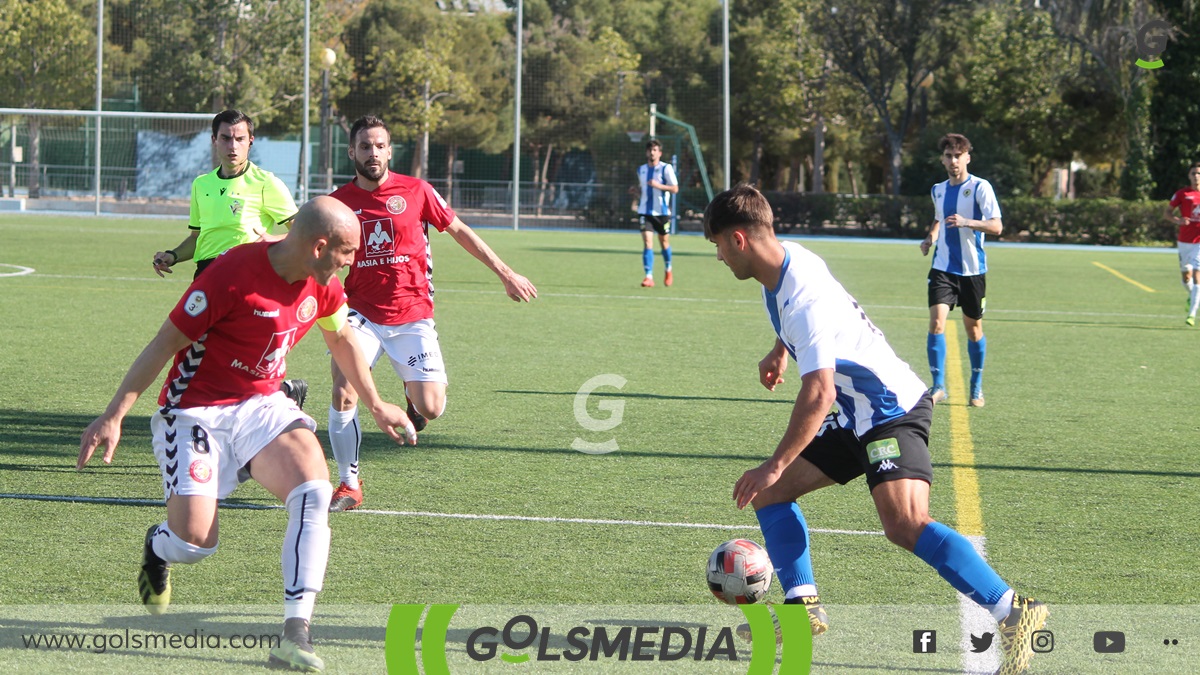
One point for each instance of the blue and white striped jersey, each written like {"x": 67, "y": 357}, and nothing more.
{"x": 822, "y": 326}
{"x": 959, "y": 250}
{"x": 655, "y": 202}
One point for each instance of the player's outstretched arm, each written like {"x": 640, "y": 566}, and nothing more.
{"x": 516, "y": 286}
{"x": 817, "y": 395}
{"x": 770, "y": 369}
{"x": 345, "y": 353}
{"x": 106, "y": 429}
{"x": 164, "y": 260}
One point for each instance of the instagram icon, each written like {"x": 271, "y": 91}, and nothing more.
{"x": 1042, "y": 641}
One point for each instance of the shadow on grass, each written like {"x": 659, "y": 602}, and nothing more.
{"x": 657, "y": 397}
{"x": 633, "y": 250}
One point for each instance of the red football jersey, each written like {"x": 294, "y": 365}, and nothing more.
{"x": 1187, "y": 201}
{"x": 391, "y": 280}
{"x": 243, "y": 319}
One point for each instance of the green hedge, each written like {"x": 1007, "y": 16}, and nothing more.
{"x": 1109, "y": 222}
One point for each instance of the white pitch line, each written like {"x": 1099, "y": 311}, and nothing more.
{"x": 123, "y": 501}
{"x": 21, "y": 270}
{"x": 975, "y": 620}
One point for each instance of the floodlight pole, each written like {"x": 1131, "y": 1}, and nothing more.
{"x": 516, "y": 177}
{"x": 307, "y": 101}
{"x": 725, "y": 89}
{"x": 99, "y": 90}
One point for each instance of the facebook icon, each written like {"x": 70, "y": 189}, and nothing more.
{"x": 924, "y": 641}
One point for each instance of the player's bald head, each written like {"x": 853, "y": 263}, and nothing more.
{"x": 326, "y": 218}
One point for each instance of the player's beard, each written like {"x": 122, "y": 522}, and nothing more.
{"x": 372, "y": 173}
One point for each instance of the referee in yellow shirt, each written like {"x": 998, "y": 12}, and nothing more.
{"x": 236, "y": 203}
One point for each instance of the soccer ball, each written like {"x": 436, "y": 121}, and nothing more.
{"x": 739, "y": 572}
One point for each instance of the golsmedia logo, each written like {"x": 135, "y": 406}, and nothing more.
{"x": 1151, "y": 41}
{"x": 522, "y": 638}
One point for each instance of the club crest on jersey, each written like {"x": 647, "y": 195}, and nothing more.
{"x": 196, "y": 303}
{"x": 200, "y": 470}
{"x": 967, "y": 192}
{"x": 396, "y": 204}
{"x": 235, "y": 206}
{"x": 380, "y": 236}
{"x": 307, "y": 311}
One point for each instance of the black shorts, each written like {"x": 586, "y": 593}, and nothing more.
{"x": 200, "y": 265}
{"x": 890, "y": 451}
{"x": 660, "y": 224}
{"x": 969, "y": 293}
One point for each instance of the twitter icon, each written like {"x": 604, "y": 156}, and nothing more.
{"x": 981, "y": 643}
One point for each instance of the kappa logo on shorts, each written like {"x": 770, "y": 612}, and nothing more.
{"x": 883, "y": 450}
{"x": 886, "y": 465}
{"x": 201, "y": 471}
{"x": 196, "y": 303}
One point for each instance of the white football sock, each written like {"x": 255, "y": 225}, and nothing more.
{"x": 305, "y": 547}
{"x": 1002, "y": 609}
{"x": 1194, "y": 296}
{"x": 168, "y": 546}
{"x": 800, "y": 591}
{"x": 345, "y": 437}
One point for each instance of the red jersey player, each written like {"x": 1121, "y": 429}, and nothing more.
{"x": 390, "y": 291}
{"x": 223, "y": 419}
{"x": 1187, "y": 202}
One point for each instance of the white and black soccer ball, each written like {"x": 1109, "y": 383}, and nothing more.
{"x": 739, "y": 572}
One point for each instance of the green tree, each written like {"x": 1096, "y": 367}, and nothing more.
{"x": 46, "y": 61}
{"x": 1174, "y": 107}
{"x": 887, "y": 49}
{"x": 209, "y": 55}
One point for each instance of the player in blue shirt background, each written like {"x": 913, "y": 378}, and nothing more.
{"x": 965, "y": 209}
{"x": 656, "y": 183}
{"x": 879, "y": 427}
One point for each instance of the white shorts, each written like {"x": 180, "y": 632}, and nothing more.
{"x": 1189, "y": 256}
{"x": 412, "y": 348}
{"x": 203, "y": 451}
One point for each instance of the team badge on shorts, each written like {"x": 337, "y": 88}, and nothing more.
{"x": 396, "y": 204}
{"x": 201, "y": 471}
{"x": 307, "y": 309}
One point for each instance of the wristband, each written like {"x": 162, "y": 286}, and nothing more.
{"x": 174, "y": 257}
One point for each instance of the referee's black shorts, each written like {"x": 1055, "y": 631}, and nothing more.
{"x": 969, "y": 293}
{"x": 890, "y": 451}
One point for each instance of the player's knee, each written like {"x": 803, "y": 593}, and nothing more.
{"x": 310, "y": 501}
{"x": 344, "y": 398}
{"x": 904, "y": 531}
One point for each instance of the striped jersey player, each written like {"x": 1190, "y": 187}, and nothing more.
{"x": 965, "y": 209}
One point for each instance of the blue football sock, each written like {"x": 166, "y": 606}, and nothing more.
{"x": 935, "y": 347}
{"x": 648, "y": 260}
{"x": 977, "y": 351}
{"x": 957, "y": 561}
{"x": 667, "y": 257}
{"x": 786, "y": 536}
